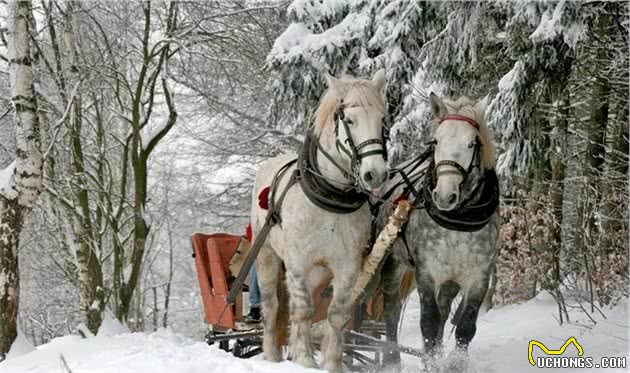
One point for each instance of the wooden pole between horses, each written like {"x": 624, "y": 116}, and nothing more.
{"x": 384, "y": 241}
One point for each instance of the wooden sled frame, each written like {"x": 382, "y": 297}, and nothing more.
{"x": 212, "y": 255}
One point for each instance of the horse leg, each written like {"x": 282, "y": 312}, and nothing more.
{"x": 301, "y": 316}
{"x": 338, "y": 315}
{"x": 467, "y": 323}
{"x": 447, "y": 293}
{"x": 391, "y": 277}
{"x": 429, "y": 314}
{"x": 268, "y": 267}
{"x": 457, "y": 360}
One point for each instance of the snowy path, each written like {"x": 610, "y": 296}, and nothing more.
{"x": 503, "y": 336}
{"x": 500, "y": 346}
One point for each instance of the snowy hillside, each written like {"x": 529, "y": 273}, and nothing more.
{"x": 500, "y": 345}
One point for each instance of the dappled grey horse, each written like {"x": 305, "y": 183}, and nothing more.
{"x": 450, "y": 239}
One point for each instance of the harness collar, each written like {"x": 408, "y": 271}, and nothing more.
{"x": 318, "y": 189}
{"x": 472, "y": 214}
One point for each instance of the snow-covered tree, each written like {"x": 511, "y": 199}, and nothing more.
{"x": 349, "y": 37}
{"x": 105, "y": 73}
{"x": 541, "y": 66}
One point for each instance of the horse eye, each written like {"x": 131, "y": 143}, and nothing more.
{"x": 471, "y": 145}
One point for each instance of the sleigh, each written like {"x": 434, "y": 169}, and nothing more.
{"x": 364, "y": 346}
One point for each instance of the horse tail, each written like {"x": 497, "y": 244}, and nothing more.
{"x": 376, "y": 305}
{"x": 282, "y": 316}
{"x": 407, "y": 284}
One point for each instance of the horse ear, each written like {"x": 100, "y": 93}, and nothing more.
{"x": 379, "y": 79}
{"x": 437, "y": 106}
{"x": 482, "y": 105}
{"x": 333, "y": 83}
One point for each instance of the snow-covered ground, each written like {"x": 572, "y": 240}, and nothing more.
{"x": 500, "y": 345}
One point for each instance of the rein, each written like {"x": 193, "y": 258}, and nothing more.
{"x": 472, "y": 214}
{"x": 317, "y": 188}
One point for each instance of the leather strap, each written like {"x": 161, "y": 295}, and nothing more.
{"x": 403, "y": 234}
{"x": 447, "y": 162}
{"x": 353, "y": 152}
{"x": 272, "y": 218}
{"x": 462, "y": 118}
{"x": 318, "y": 189}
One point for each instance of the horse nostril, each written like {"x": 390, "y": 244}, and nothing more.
{"x": 384, "y": 175}
{"x": 452, "y": 199}
{"x": 368, "y": 176}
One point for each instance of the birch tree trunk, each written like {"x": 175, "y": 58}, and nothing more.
{"x": 19, "y": 193}
{"x": 91, "y": 292}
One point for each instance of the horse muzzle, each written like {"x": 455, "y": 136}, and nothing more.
{"x": 445, "y": 199}
{"x": 374, "y": 178}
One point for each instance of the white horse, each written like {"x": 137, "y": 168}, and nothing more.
{"x": 313, "y": 242}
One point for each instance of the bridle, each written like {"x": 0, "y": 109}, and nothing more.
{"x": 465, "y": 172}
{"x": 317, "y": 187}
{"x": 353, "y": 151}
{"x": 350, "y": 149}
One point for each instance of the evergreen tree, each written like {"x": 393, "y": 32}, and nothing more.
{"x": 543, "y": 67}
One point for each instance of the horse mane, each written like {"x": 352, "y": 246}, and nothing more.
{"x": 355, "y": 92}
{"x": 468, "y": 107}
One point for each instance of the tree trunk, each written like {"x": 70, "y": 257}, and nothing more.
{"x": 614, "y": 207}
{"x": 556, "y": 190}
{"x": 17, "y": 201}
{"x": 597, "y": 125}
{"x": 90, "y": 276}
{"x": 140, "y": 152}
{"x": 167, "y": 292}
{"x": 10, "y": 226}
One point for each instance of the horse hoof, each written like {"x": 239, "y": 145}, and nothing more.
{"x": 391, "y": 367}
{"x": 306, "y": 361}
{"x": 391, "y": 362}
{"x": 273, "y": 359}
{"x": 272, "y": 356}
{"x": 333, "y": 367}
{"x": 456, "y": 361}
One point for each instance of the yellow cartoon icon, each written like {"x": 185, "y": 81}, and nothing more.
{"x": 559, "y": 351}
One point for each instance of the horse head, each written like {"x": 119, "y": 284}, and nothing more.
{"x": 350, "y": 119}
{"x": 462, "y": 149}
